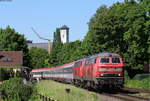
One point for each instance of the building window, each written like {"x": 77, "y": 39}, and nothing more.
{"x": 7, "y": 60}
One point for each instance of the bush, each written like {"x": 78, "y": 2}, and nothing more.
{"x": 143, "y": 84}
{"x": 34, "y": 96}
{"x": 3, "y": 74}
{"x": 15, "y": 90}
{"x": 146, "y": 83}
{"x": 141, "y": 76}
{"x": 127, "y": 78}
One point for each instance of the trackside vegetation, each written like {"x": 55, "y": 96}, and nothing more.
{"x": 14, "y": 90}
{"x": 141, "y": 81}
{"x": 58, "y": 92}
{"x": 142, "y": 84}
{"x": 3, "y": 74}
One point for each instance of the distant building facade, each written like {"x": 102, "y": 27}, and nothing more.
{"x": 46, "y": 46}
{"x": 38, "y": 45}
{"x": 64, "y": 34}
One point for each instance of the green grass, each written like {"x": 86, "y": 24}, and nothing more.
{"x": 143, "y": 84}
{"x": 57, "y": 91}
{"x": 34, "y": 97}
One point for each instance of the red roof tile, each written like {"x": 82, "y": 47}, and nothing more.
{"x": 11, "y": 58}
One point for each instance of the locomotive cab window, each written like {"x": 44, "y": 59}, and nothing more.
{"x": 115, "y": 60}
{"x": 104, "y": 60}
{"x": 78, "y": 64}
{"x": 91, "y": 61}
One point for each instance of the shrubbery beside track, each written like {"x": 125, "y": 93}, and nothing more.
{"x": 14, "y": 90}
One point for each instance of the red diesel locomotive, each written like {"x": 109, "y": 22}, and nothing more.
{"x": 97, "y": 71}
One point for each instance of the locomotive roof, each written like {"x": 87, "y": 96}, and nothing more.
{"x": 67, "y": 64}
{"x": 106, "y": 54}
{"x": 103, "y": 54}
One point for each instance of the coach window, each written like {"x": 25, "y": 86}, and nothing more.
{"x": 93, "y": 60}
{"x": 104, "y": 60}
{"x": 90, "y": 61}
{"x": 77, "y": 64}
{"x": 86, "y": 62}
{"x": 69, "y": 70}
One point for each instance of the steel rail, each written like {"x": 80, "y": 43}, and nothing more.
{"x": 137, "y": 90}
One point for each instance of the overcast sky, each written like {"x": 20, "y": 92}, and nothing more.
{"x": 46, "y": 15}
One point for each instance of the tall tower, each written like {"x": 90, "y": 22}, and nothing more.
{"x": 64, "y": 34}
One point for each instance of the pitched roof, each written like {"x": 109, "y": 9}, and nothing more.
{"x": 64, "y": 27}
{"x": 11, "y": 58}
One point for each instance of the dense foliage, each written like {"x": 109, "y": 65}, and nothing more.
{"x": 4, "y": 75}
{"x": 123, "y": 28}
{"x": 69, "y": 52}
{"x": 64, "y": 53}
{"x": 15, "y": 90}
{"x": 10, "y": 40}
{"x": 39, "y": 57}
{"x": 57, "y": 38}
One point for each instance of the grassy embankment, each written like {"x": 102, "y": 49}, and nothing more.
{"x": 57, "y": 91}
{"x": 142, "y": 84}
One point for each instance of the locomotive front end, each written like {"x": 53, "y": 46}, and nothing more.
{"x": 110, "y": 71}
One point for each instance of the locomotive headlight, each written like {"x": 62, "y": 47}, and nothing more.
{"x": 103, "y": 69}
{"x": 118, "y": 69}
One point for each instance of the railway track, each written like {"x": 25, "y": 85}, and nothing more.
{"x": 137, "y": 90}
{"x": 124, "y": 95}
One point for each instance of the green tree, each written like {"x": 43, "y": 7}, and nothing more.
{"x": 39, "y": 57}
{"x": 4, "y": 75}
{"x": 136, "y": 37}
{"x": 54, "y": 55}
{"x": 56, "y": 49}
{"x": 57, "y": 38}
{"x": 70, "y": 52}
{"x": 10, "y": 40}
{"x": 121, "y": 29}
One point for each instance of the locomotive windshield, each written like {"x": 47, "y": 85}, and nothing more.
{"x": 115, "y": 60}
{"x": 104, "y": 60}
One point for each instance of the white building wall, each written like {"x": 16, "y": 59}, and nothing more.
{"x": 63, "y": 35}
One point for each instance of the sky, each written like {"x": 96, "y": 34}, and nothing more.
{"x": 47, "y": 15}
